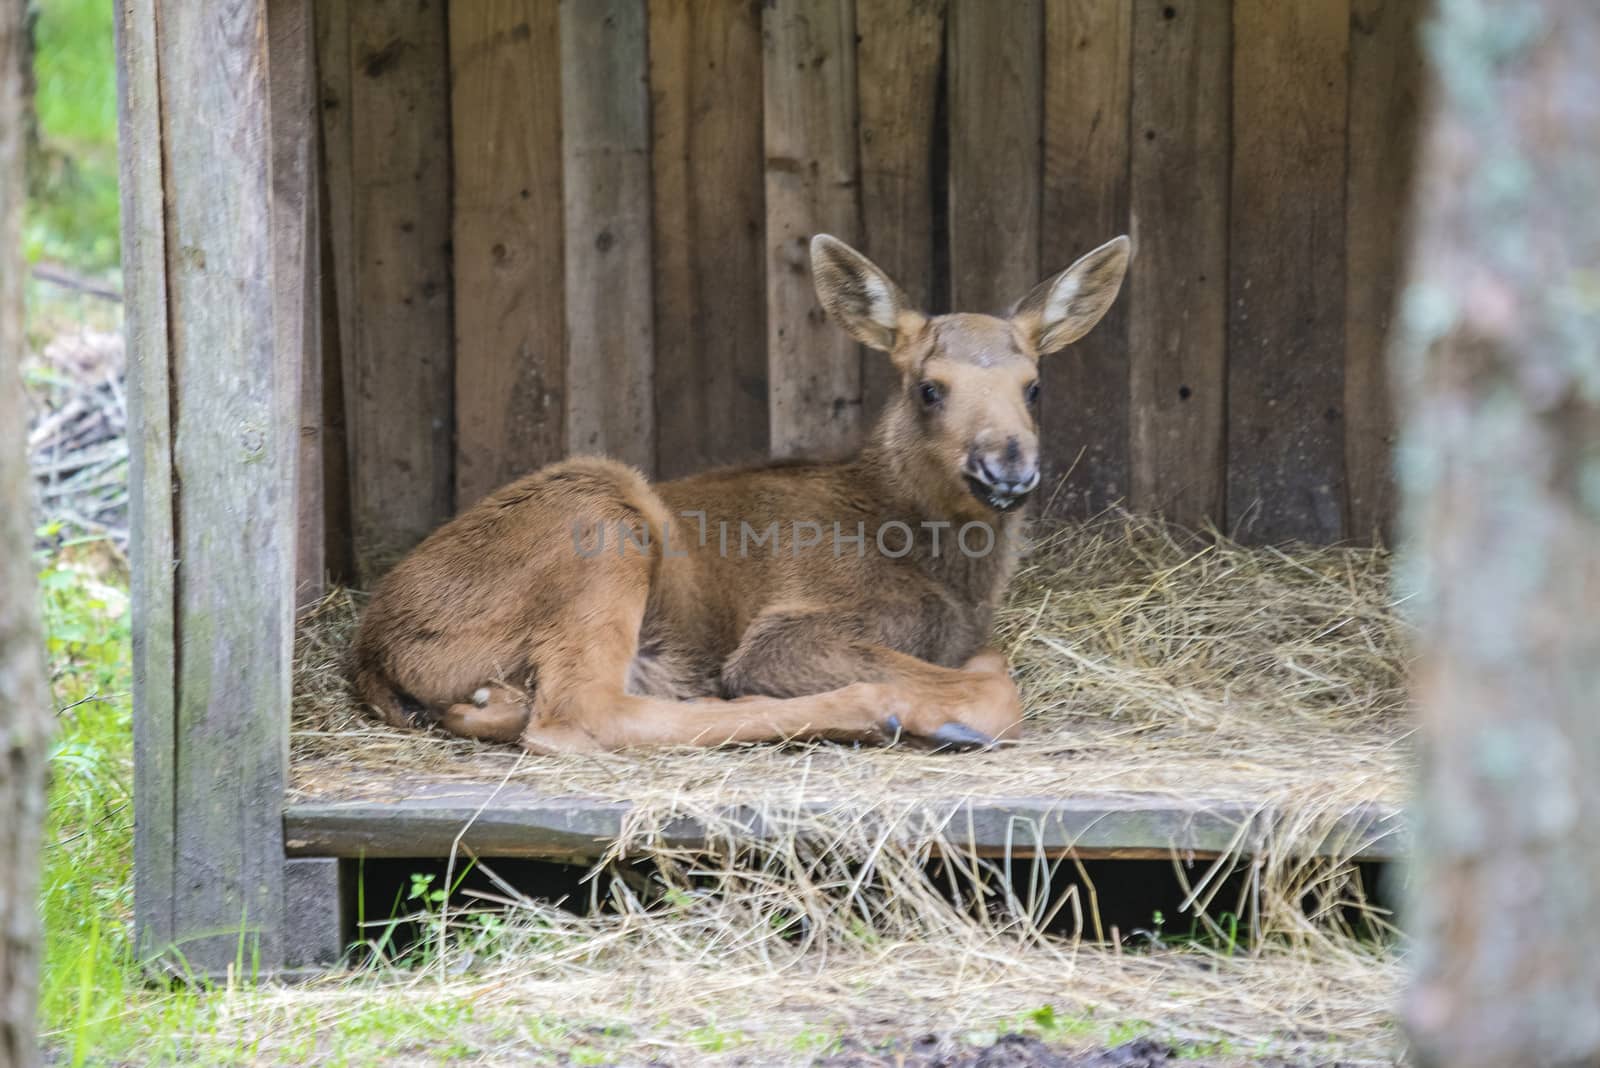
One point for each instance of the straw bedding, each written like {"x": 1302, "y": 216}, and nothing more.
{"x": 1151, "y": 661}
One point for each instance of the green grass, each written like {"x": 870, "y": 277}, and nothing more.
{"x": 87, "y": 898}
{"x": 73, "y": 207}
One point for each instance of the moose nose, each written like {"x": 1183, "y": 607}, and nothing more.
{"x": 1010, "y": 472}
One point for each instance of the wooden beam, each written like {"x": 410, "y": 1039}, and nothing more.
{"x": 297, "y": 269}
{"x": 1178, "y": 282}
{"x": 809, "y": 77}
{"x": 316, "y": 895}
{"x": 336, "y": 288}
{"x": 513, "y": 821}
{"x": 710, "y": 280}
{"x": 233, "y": 404}
{"x": 510, "y": 303}
{"x": 605, "y": 149}
{"x": 152, "y": 556}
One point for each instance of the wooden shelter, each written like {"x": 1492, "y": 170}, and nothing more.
{"x": 383, "y": 256}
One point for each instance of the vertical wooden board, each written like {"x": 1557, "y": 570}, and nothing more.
{"x": 996, "y": 86}
{"x": 234, "y": 452}
{"x": 505, "y": 100}
{"x": 1385, "y": 89}
{"x": 336, "y": 279}
{"x": 809, "y": 79}
{"x": 399, "y": 373}
{"x": 605, "y": 132}
{"x": 296, "y": 270}
{"x": 1084, "y": 416}
{"x": 1177, "y": 300}
{"x": 710, "y": 287}
{"x": 899, "y": 58}
{"x": 152, "y": 555}
{"x": 335, "y": 455}
{"x": 1286, "y": 271}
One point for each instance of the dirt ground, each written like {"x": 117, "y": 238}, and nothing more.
{"x": 1022, "y": 1051}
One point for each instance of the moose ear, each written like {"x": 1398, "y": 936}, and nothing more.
{"x": 859, "y": 296}
{"x": 1062, "y": 309}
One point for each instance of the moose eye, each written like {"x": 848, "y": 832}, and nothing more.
{"x": 931, "y": 393}
{"x": 1032, "y": 393}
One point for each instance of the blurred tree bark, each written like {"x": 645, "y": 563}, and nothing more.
{"x": 1498, "y": 360}
{"x": 24, "y": 721}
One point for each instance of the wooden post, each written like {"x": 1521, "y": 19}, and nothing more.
{"x": 297, "y": 296}
{"x": 1498, "y": 363}
{"x": 25, "y": 724}
{"x": 215, "y": 359}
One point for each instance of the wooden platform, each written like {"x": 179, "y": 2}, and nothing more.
{"x": 432, "y": 819}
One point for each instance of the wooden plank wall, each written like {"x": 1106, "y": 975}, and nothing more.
{"x": 219, "y": 209}
{"x": 558, "y": 227}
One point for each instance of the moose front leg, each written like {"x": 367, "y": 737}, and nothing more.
{"x": 791, "y": 654}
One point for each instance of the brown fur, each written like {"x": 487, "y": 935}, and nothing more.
{"x": 500, "y": 627}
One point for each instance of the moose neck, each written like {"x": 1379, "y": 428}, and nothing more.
{"x": 912, "y": 488}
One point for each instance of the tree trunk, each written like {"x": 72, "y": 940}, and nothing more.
{"x": 1498, "y": 358}
{"x": 24, "y": 721}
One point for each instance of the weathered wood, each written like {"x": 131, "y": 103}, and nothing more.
{"x": 1084, "y": 414}
{"x": 336, "y": 285}
{"x": 399, "y": 374}
{"x": 316, "y": 895}
{"x": 809, "y": 79}
{"x": 996, "y": 80}
{"x": 151, "y": 550}
{"x": 605, "y": 123}
{"x": 1287, "y": 271}
{"x": 707, "y": 184}
{"x": 233, "y": 452}
{"x": 1177, "y": 284}
{"x": 515, "y": 821}
{"x": 899, "y": 56}
{"x": 336, "y": 561}
{"x": 1385, "y": 91}
{"x": 25, "y": 719}
{"x": 510, "y": 304}
{"x": 1498, "y": 361}
{"x": 296, "y": 269}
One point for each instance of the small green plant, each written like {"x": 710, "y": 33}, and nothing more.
{"x": 711, "y": 1039}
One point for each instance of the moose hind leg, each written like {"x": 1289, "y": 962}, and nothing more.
{"x": 495, "y": 714}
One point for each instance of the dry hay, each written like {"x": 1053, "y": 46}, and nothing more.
{"x": 1148, "y": 662}
{"x": 1151, "y": 662}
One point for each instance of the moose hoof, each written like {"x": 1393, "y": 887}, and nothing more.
{"x": 960, "y": 736}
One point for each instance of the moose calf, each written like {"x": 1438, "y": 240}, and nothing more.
{"x": 582, "y": 608}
